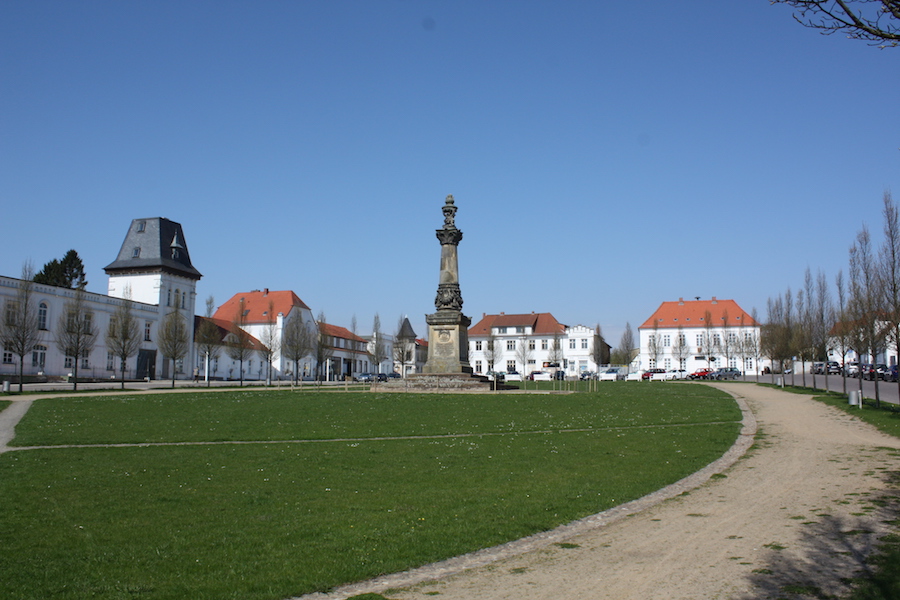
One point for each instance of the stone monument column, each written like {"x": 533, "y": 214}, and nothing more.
{"x": 448, "y": 328}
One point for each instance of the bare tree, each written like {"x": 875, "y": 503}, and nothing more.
{"x": 841, "y": 332}
{"x": 75, "y": 332}
{"x": 709, "y": 345}
{"x": 625, "y": 349}
{"x": 654, "y": 346}
{"x": 681, "y": 350}
{"x": 729, "y": 344}
{"x": 493, "y": 353}
{"x": 599, "y": 348}
{"x": 866, "y": 300}
{"x": 270, "y": 340}
{"x": 20, "y": 328}
{"x": 208, "y": 338}
{"x": 889, "y": 262}
{"x": 172, "y": 339}
{"x": 324, "y": 348}
{"x": 379, "y": 351}
{"x": 524, "y": 355}
{"x": 240, "y": 345}
{"x": 874, "y": 21}
{"x": 298, "y": 342}
{"x": 123, "y": 333}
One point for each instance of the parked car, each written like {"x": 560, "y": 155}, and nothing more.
{"x": 852, "y": 369}
{"x": 513, "y": 376}
{"x": 540, "y": 376}
{"x": 364, "y": 377}
{"x": 649, "y": 373}
{"x": 393, "y": 375}
{"x": 833, "y": 367}
{"x": 678, "y": 374}
{"x": 882, "y": 371}
{"x": 701, "y": 374}
{"x": 867, "y": 371}
{"x": 612, "y": 374}
{"x": 817, "y": 368}
{"x": 499, "y": 377}
{"x": 636, "y": 376}
{"x": 585, "y": 375}
{"x": 725, "y": 373}
{"x": 381, "y": 377}
{"x": 891, "y": 374}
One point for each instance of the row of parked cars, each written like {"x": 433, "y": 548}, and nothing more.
{"x": 370, "y": 377}
{"x": 871, "y": 371}
{"x": 620, "y": 374}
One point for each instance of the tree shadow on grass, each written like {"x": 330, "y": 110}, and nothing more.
{"x": 837, "y": 557}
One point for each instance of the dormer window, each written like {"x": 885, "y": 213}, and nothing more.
{"x": 141, "y": 226}
{"x": 136, "y": 253}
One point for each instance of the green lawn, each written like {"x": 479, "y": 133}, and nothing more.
{"x": 278, "y": 519}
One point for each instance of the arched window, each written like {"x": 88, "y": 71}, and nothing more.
{"x": 42, "y": 316}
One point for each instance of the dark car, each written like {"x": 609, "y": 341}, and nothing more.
{"x": 891, "y": 375}
{"x": 867, "y": 371}
{"x": 381, "y": 377}
{"x": 833, "y": 367}
{"x": 726, "y": 373}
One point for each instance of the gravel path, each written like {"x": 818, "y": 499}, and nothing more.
{"x": 798, "y": 513}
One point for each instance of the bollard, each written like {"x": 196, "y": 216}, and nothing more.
{"x": 853, "y": 397}
{"x": 6, "y": 387}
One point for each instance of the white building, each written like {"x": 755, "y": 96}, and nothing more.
{"x": 153, "y": 269}
{"x": 695, "y": 334}
{"x": 544, "y": 343}
{"x": 264, "y": 315}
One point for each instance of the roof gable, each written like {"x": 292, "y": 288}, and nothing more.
{"x": 692, "y": 313}
{"x": 540, "y": 323}
{"x": 258, "y": 304}
{"x": 337, "y": 331}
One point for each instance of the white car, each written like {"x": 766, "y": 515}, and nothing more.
{"x": 611, "y": 374}
{"x": 541, "y": 376}
{"x": 636, "y": 376}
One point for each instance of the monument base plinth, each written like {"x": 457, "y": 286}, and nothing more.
{"x": 448, "y": 343}
{"x": 447, "y": 383}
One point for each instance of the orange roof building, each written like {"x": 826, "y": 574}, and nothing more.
{"x": 694, "y": 334}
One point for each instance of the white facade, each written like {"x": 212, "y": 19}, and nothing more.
{"x": 699, "y": 334}
{"x": 532, "y": 338}
{"x": 47, "y": 361}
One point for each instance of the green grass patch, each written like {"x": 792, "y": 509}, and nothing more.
{"x": 278, "y": 519}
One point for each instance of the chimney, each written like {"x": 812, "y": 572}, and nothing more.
{"x": 714, "y": 300}
{"x": 266, "y": 292}
{"x": 681, "y": 301}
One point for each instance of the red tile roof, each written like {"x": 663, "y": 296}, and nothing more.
{"x": 691, "y": 313}
{"x": 339, "y": 332}
{"x": 540, "y": 323}
{"x": 257, "y": 303}
{"x": 224, "y": 328}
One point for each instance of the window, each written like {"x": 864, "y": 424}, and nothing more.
{"x": 510, "y": 366}
{"x": 42, "y": 316}
{"x": 12, "y": 308}
{"x": 136, "y": 252}
{"x": 571, "y": 344}
{"x": 748, "y": 364}
{"x": 544, "y": 344}
{"x": 7, "y": 357}
{"x": 717, "y": 340}
{"x": 584, "y": 344}
{"x": 520, "y": 330}
{"x": 682, "y": 339}
{"x": 478, "y": 366}
{"x": 652, "y": 363}
{"x": 141, "y": 226}
{"x": 183, "y": 299}
{"x": 85, "y": 363}
{"x": 667, "y": 341}
{"x": 510, "y": 344}
{"x": 168, "y": 297}
{"x": 667, "y": 363}
{"x": 39, "y": 356}
{"x": 110, "y": 361}
{"x": 88, "y": 320}
{"x": 148, "y": 325}
{"x": 531, "y": 344}
{"x": 478, "y": 346}
{"x": 732, "y": 339}
{"x": 699, "y": 339}
{"x": 68, "y": 362}
{"x": 732, "y": 362}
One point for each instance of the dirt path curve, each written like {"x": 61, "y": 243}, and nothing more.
{"x": 798, "y": 513}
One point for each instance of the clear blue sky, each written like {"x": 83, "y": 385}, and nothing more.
{"x": 605, "y": 157}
